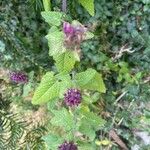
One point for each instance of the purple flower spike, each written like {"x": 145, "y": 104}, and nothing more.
{"x": 68, "y": 146}
{"x": 74, "y": 35}
{"x": 18, "y": 77}
{"x": 68, "y": 28}
{"x": 72, "y": 97}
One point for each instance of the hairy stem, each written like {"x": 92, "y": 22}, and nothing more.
{"x": 64, "y": 5}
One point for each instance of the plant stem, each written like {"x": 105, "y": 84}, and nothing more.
{"x": 74, "y": 129}
{"x": 47, "y": 5}
{"x": 64, "y": 5}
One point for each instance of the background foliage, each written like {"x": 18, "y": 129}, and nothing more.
{"x": 115, "y": 24}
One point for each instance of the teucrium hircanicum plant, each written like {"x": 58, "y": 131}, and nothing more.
{"x": 64, "y": 91}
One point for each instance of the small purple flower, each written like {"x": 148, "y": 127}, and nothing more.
{"x": 68, "y": 146}
{"x": 68, "y": 29}
{"x": 18, "y": 77}
{"x": 72, "y": 97}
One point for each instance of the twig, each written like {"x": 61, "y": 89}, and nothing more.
{"x": 122, "y": 50}
{"x": 127, "y": 110}
{"x": 118, "y": 99}
{"x": 147, "y": 80}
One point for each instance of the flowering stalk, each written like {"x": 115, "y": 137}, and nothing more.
{"x": 72, "y": 99}
{"x": 75, "y": 116}
{"x": 74, "y": 35}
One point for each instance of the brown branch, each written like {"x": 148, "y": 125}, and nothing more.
{"x": 117, "y": 140}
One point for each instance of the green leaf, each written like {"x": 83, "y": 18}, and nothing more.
{"x": 52, "y": 18}
{"x": 26, "y": 89}
{"x": 90, "y": 79}
{"x": 52, "y": 141}
{"x": 53, "y": 29}
{"x": 76, "y": 23}
{"x": 42, "y": 94}
{"x": 63, "y": 118}
{"x": 76, "y": 55}
{"x": 89, "y": 35}
{"x": 50, "y": 88}
{"x": 65, "y": 62}
{"x": 64, "y": 83}
{"x": 86, "y": 146}
{"x": 88, "y": 5}
{"x": 51, "y": 104}
{"x": 89, "y": 99}
{"x": 96, "y": 122}
{"x": 105, "y": 142}
{"x": 2, "y": 47}
{"x": 87, "y": 130}
{"x": 90, "y": 123}
{"x": 56, "y": 43}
